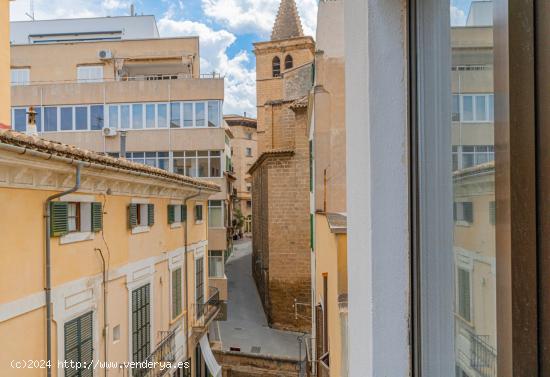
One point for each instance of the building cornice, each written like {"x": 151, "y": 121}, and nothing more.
{"x": 275, "y": 153}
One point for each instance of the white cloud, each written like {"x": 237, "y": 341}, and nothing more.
{"x": 50, "y": 9}
{"x": 458, "y": 17}
{"x": 257, "y": 16}
{"x": 240, "y": 82}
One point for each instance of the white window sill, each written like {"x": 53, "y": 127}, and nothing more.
{"x": 140, "y": 229}
{"x": 76, "y": 237}
{"x": 175, "y": 225}
{"x": 463, "y": 223}
{"x": 199, "y": 222}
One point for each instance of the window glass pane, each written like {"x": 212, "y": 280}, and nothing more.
{"x": 20, "y": 120}
{"x": 20, "y": 76}
{"x": 137, "y": 116}
{"x": 455, "y": 109}
{"x": 175, "y": 115}
{"x": 96, "y": 117}
{"x": 203, "y": 167}
{"x": 81, "y": 118}
{"x": 191, "y": 167}
{"x": 199, "y": 114}
{"x": 90, "y": 74}
{"x": 124, "y": 116}
{"x": 50, "y": 119}
{"x": 467, "y": 108}
{"x": 66, "y": 118}
{"x": 113, "y": 116}
{"x": 215, "y": 166}
{"x": 491, "y": 107}
{"x": 481, "y": 111}
{"x": 213, "y": 114}
{"x": 215, "y": 264}
{"x": 188, "y": 114}
{"x": 150, "y": 116}
{"x": 162, "y": 116}
{"x": 38, "y": 111}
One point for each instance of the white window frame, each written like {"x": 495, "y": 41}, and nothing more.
{"x": 142, "y": 226}
{"x": 16, "y": 73}
{"x": 84, "y": 73}
{"x": 489, "y": 115}
{"x": 85, "y": 232}
{"x": 222, "y": 207}
{"x": 222, "y": 256}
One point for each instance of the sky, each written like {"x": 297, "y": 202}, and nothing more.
{"x": 226, "y": 28}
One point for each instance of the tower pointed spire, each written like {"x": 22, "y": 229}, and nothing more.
{"x": 288, "y": 23}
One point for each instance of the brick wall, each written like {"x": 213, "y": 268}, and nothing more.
{"x": 245, "y": 365}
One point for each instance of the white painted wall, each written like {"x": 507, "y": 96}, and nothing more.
{"x": 330, "y": 28}
{"x": 377, "y": 187}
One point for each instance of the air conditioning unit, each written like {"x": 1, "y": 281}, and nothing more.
{"x": 109, "y": 132}
{"x": 105, "y": 54}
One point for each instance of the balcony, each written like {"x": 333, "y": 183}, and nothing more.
{"x": 478, "y": 355}
{"x": 164, "y": 353}
{"x": 206, "y": 312}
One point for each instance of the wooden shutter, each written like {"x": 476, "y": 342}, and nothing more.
{"x": 78, "y": 334}
{"x": 464, "y": 294}
{"x": 132, "y": 215}
{"x": 150, "y": 214}
{"x": 171, "y": 214}
{"x": 97, "y": 217}
{"x": 59, "y": 224}
{"x": 183, "y": 213}
{"x": 198, "y": 212}
{"x": 141, "y": 323}
{"x": 176, "y": 292}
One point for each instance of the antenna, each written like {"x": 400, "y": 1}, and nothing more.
{"x": 30, "y": 14}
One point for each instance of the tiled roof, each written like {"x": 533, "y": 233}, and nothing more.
{"x": 288, "y": 24}
{"x": 34, "y": 143}
{"x": 270, "y": 153}
{"x": 337, "y": 222}
{"x": 300, "y": 102}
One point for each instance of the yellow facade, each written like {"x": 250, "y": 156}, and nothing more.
{"x": 143, "y": 255}
{"x": 5, "y": 109}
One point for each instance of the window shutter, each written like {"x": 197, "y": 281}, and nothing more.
{"x": 150, "y": 214}
{"x": 198, "y": 212}
{"x": 97, "y": 217}
{"x": 132, "y": 215}
{"x": 59, "y": 224}
{"x": 492, "y": 213}
{"x": 176, "y": 292}
{"x": 468, "y": 209}
{"x": 79, "y": 343}
{"x": 183, "y": 213}
{"x": 454, "y": 212}
{"x": 171, "y": 214}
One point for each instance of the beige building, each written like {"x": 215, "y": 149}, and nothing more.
{"x": 4, "y": 63}
{"x": 121, "y": 90}
{"x": 244, "y": 147}
{"x": 103, "y": 260}
{"x": 280, "y": 175}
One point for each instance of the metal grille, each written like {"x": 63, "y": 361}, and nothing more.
{"x": 141, "y": 323}
{"x": 199, "y": 285}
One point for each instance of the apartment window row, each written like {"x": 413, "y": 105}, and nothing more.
{"x": 473, "y": 107}
{"x": 159, "y": 160}
{"x": 121, "y": 116}
{"x": 463, "y": 212}
{"x": 201, "y": 164}
{"x": 466, "y": 156}
{"x": 216, "y": 213}
{"x": 20, "y": 76}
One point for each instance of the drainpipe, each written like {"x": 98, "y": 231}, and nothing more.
{"x": 48, "y": 287}
{"x": 185, "y": 232}
{"x": 105, "y": 325}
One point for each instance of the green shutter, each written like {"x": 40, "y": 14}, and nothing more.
{"x": 468, "y": 209}
{"x": 132, "y": 215}
{"x": 311, "y": 232}
{"x": 79, "y": 344}
{"x": 150, "y": 214}
{"x": 97, "y": 217}
{"x": 171, "y": 214}
{"x": 198, "y": 212}
{"x": 59, "y": 223}
{"x": 176, "y": 292}
{"x": 183, "y": 213}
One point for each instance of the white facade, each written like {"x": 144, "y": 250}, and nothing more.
{"x": 481, "y": 14}
{"x": 84, "y": 29}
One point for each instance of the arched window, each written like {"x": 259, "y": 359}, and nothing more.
{"x": 289, "y": 62}
{"x": 276, "y": 66}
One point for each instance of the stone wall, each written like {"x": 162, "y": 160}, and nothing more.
{"x": 236, "y": 364}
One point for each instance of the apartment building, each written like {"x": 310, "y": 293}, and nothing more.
{"x": 105, "y": 260}
{"x": 5, "y": 108}
{"x": 280, "y": 174}
{"x": 112, "y": 85}
{"x": 244, "y": 152}
{"x": 327, "y": 132}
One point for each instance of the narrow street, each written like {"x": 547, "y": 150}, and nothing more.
{"x": 246, "y": 327}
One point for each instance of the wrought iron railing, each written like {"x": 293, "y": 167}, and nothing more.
{"x": 483, "y": 357}
{"x": 205, "y": 312}
{"x": 155, "y": 364}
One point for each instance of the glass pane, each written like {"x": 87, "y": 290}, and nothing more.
{"x": 188, "y": 114}
{"x": 203, "y": 167}
{"x": 38, "y": 110}
{"x": 191, "y": 167}
{"x": 215, "y": 217}
{"x": 150, "y": 116}
{"x": 162, "y": 116}
{"x": 215, "y": 166}
{"x": 125, "y": 116}
{"x": 455, "y": 115}
{"x": 113, "y": 116}
{"x": 199, "y": 114}
{"x": 179, "y": 166}
{"x": 175, "y": 115}
{"x": 20, "y": 120}
{"x": 50, "y": 119}
{"x": 137, "y": 116}
{"x": 475, "y": 334}
{"x": 66, "y": 118}
{"x": 96, "y": 117}
{"x": 213, "y": 114}
{"x": 81, "y": 118}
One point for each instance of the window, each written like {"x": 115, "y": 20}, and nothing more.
{"x": 203, "y": 164}
{"x": 96, "y": 117}
{"x": 276, "y": 66}
{"x": 175, "y": 115}
{"x": 455, "y": 115}
{"x": 137, "y": 116}
{"x": 248, "y": 204}
{"x": 466, "y": 156}
{"x": 91, "y": 73}
{"x": 188, "y": 114}
{"x": 66, "y": 118}
{"x": 72, "y": 217}
{"x": 475, "y": 107}
{"x": 50, "y": 119}
{"x": 155, "y": 159}
{"x": 289, "y": 62}
{"x": 248, "y": 152}
{"x": 162, "y": 118}
{"x": 213, "y": 113}
{"x": 463, "y": 294}
{"x": 177, "y": 213}
{"x": 20, "y": 76}
{"x": 464, "y": 212}
{"x": 141, "y": 216}
{"x": 116, "y": 333}
{"x": 199, "y": 286}
{"x": 20, "y": 119}
{"x": 141, "y": 323}
{"x": 113, "y": 116}
{"x": 150, "y": 116}
{"x": 81, "y": 118}
{"x": 200, "y": 114}
{"x": 215, "y": 264}
{"x": 248, "y": 188}
{"x": 198, "y": 212}
{"x": 215, "y": 214}
{"x": 125, "y": 117}
{"x": 248, "y": 135}
{"x": 79, "y": 345}
{"x": 176, "y": 292}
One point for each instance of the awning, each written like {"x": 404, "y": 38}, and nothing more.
{"x": 213, "y": 366}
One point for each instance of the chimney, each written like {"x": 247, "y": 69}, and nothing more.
{"x": 31, "y": 127}
{"x": 122, "y": 144}
{"x": 132, "y": 10}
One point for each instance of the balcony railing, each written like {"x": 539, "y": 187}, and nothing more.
{"x": 206, "y": 312}
{"x": 483, "y": 357}
{"x": 164, "y": 353}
